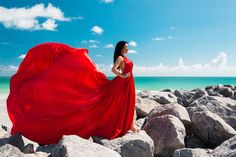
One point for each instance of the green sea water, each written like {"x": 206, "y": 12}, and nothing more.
{"x": 158, "y": 83}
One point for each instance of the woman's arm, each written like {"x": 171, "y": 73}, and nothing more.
{"x": 116, "y": 65}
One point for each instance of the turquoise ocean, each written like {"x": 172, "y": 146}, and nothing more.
{"x": 157, "y": 83}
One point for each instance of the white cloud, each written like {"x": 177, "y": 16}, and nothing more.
{"x": 215, "y": 67}
{"x": 132, "y": 51}
{"x": 26, "y": 18}
{"x": 109, "y": 46}
{"x": 170, "y": 37}
{"x": 49, "y": 25}
{"x": 98, "y": 55}
{"x": 106, "y": 1}
{"x": 22, "y": 56}
{"x": 133, "y": 43}
{"x": 90, "y": 42}
{"x": 8, "y": 70}
{"x": 172, "y": 28}
{"x": 158, "y": 38}
{"x": 93, "y": 46}
{"x": 94, "y": 41}
{"x": 97, "y": 30}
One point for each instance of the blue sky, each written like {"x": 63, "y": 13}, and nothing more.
{"x": 166, "y": 37}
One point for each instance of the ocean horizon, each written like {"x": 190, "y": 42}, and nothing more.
{"x": 159, "y": 82}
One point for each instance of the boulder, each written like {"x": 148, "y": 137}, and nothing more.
{"x": 168, "y": 133}
{"x": 130, "y": 145}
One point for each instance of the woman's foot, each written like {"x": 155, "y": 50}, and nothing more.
{"x": 134, "y": 128}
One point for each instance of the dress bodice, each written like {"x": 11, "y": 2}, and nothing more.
{"x": 128, "y": 65}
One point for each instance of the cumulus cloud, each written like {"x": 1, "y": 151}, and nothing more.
{"x": 22, "y": 56}
{"x": 170, "y": 37}
{"x": 106, "y": 1}
{"x": 8, "y": 70}
{"x": 109, "y": 46}
{"x": 92, "y": 43}
{"x": 97, "y": 30}
{"x": 158, "y": 38}
{"x": 94, "y": 46}
{"x": 133, "y": 43}
{"x": 49, "y": 25}
{"x": 26, "y": 18}
{"x": 215, "y": 67}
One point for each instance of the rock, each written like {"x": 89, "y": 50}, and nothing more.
{"x": 28, "y": 149}
{"x": 226, "y": 92}
{"x": 174, "y": 109}
{"x": 8, "y": 150}
{"x": 198, "y": 94}
{"x": 73, "y": 145}
{"x": 164, "y": 97}
{"x": 144, "y": 106}
{"x": 196, "y": 152}
{"x": 211, "y": 92}
{"x": 15, "y": 140}
{"x": 210, "y": 127}
{"x": 226, "y": 149}
{"x": 191, "y": 141}
{"x": 29, "y": 142}
{"x": 223, "y": 107}
{"x": 160, "y": 97}
{"x": 46, "y": 148}
{"x": 37, "y": 154}
{"x": 168, "y": 133}
{"x": 140, "y": 122}
{"x": 184, "y": 96}
{"x": 167, "y": 90}
{"x": 131, "y": 145}
{"x": 144, "y": 93}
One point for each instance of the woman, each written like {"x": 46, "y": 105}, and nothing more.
{"x": 58, "y": 90}
{"x": 119, "y": 64}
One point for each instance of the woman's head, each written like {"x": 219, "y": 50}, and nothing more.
{"x": 121, "y": 49}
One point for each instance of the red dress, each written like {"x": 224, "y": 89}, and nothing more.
{"x": 58, "y": 90}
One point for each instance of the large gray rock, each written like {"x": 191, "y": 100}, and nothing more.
{"x": 144, "y": 106}
{"x": 196, "y": 152}
{"x": 140, "y": 122}
{"x": 130, "y": 145}
{"x": 191, "y": 141}
{"x": 223, "y": 90}
{"x": 198, "y": 94}
{"x": 71, "y": 146}
{"x": 160, "y": 97}
{"x": 210, "y": 127}
{"x": 184, "y": 96}
{"x": 223, "y": 107}
{"x": 168, "y": 133}
{"x": 174, "y": 109}
{"x": 8, "y": 150}
{"x": 226, "y": 149}
{"x": 14, "y": 140}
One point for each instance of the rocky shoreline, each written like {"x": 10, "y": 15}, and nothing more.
{"x": 174, "y": 123}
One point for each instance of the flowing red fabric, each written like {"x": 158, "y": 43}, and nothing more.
{"x": 58, "y": 90}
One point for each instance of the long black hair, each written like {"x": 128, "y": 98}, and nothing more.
{"x": 119, "y": 47}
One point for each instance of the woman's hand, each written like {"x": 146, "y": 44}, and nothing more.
{"x": 127, "y": 75}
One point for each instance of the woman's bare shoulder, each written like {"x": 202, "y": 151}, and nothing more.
{"x": 120, "y": 58}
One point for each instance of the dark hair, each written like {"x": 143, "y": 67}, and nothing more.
{"x": 119, "y": 47}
